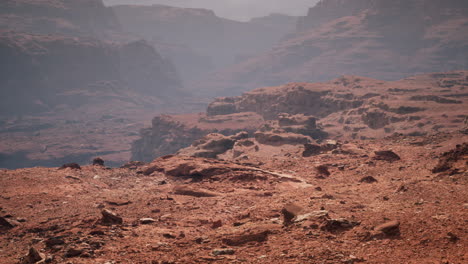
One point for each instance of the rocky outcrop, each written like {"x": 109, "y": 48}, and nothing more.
{"x": 291, "y": 99}
{"x": 170, "y": 134}
{"x": 349, "y": 107}
{"x": 360, "y": 37}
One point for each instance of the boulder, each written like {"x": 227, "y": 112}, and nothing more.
{"x": 110, "y": 218}
{"x": 386, "y": 155}
{"x": 290, "y": 212}
{"x": 74, "y": 166}
{"x": 98, "y": 161}
{"x": 8, "y": 223}
{"x": 311, "y": 150}
{"x": 247, "y": 237}
{"x": 391, "y": 228}
{"x": 33, "y": 257}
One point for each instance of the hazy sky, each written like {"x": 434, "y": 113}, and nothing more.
{"x": 235, "y": 9}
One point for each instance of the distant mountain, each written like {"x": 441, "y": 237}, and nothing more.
{"x": 241, "y": 10}
{"x": 222, "y": 41}
{"x": 380, "y": 39}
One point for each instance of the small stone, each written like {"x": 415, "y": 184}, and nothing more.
{"x": 147, "y": 221}
{"x": 452, "y": 237}
{"x": 168, "y": 235}
{"x": 54, "y": 242}
{"x": 111, "y": 218}
{"x": 368, "y": 179}
{"x": 217, "y": 224}
{"x": 224, "y": 251}
{"x": 390, "y": 228}
{"x": 73, "y": 252}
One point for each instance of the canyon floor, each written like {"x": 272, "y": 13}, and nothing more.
{"x": 348, "y": 204}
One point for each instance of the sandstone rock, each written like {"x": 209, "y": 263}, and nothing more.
{"x": 74, "y": 166}
{"x": 290, "y": 212}
{"x": 386, "y": 155}
{"x": 447, "y": 159}
{"x": 220, "y": 107}
{"x": 110, "y": 218}
{"x": 217, "y": 224}
{"x": 223, "y": 251}
{"x": 33, "y": 257}
{"x": 98, "y": 161}
{"x": 54, "y": 241}
{"x": 322, "y": 171}
{"x": 311, "y": 150}
{"x": 338, "y": 225}
{"x": 73, "y": 252}
{"x": 8, "y": 223}
{"x": 391, "y": 228}
{"x": 278, "y": 139}
{"x": 254, "y": 236}
{"x": 212, "y": 145}
{"x": 147, "y": 221}
{"x": 315, "y": 215}
{"x": 132, "y": 165}
{"x": 188, "y": 191}
{"x": 368, "y": 179}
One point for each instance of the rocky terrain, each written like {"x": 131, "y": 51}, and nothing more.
{"x": 350, "y": 107}
{"x": 361, "y": 37}
{"x": 356, "y": 201}
{"x": 352, "y": 169}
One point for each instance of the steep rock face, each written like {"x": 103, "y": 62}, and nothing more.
{"x": 221, "y": 40}
{"x": 42, "y": 72}
{"x": 39, "y": 68}
{"x": 145, "y": 71}
{"x": 68, "y": 17}
{"x": 360, "y": 38}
